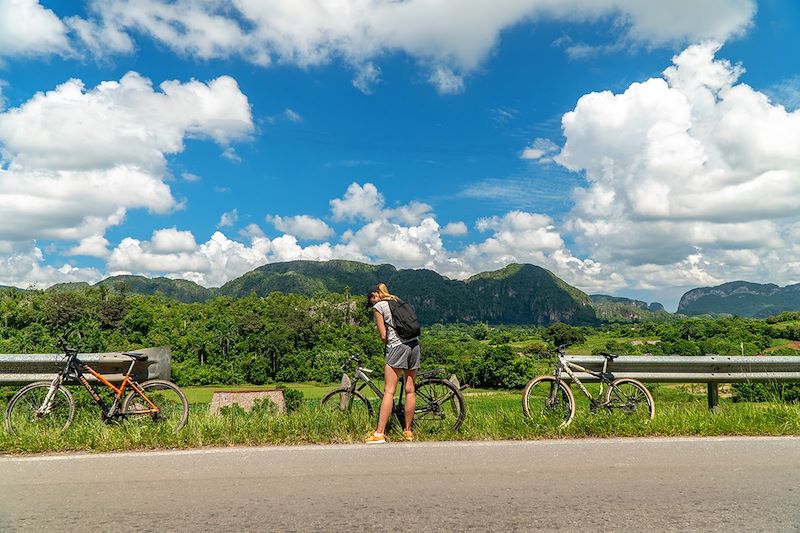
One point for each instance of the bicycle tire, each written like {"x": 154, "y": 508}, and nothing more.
{"x": 628, "y": 395}
{"x": 346, "y": 404}
{"x": 440, "y": 405}
{"x": 21, "y": 413}
{"x": 536, "y": 401}
{"x": 173, "y": 408}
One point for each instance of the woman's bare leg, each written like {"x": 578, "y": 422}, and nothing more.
{"x": 391, "y": 377}
{"x": 411, "y": 398}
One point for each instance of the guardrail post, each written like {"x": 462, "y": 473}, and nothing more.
{"x": 713, "y": 396}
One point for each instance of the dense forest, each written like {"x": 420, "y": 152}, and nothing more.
{"x": 292, "y": 338}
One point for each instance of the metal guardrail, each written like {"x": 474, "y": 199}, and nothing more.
{"x": 710, "y": 369}
{"x": 18, "y": 369}
{"x": 693, "y": 369}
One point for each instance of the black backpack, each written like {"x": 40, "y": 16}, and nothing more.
{"x": 405, "y": 319}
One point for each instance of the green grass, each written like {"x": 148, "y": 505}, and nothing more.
{"x": 491, "y": 415}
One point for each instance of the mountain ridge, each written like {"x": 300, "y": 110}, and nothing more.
{"x": 514, "y": 294}
{"x": 621, "y": 309}
{"x": 742, "y": 298}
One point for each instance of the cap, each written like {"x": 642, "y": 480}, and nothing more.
{"x": 372, "y": 289}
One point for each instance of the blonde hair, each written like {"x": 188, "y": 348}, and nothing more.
{"x": 384, "y": 293}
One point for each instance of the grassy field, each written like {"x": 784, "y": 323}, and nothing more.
{"x": 491, "y": 415}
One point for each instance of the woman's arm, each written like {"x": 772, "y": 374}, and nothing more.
{"x": 380, "y": 323}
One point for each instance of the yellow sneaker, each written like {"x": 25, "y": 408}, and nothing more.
{"x": 376, "y": 438}
{"x": 408, "y": 435}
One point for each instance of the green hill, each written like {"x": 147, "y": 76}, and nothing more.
{"x": 741, "y": 298}
{"x": 179, "y": 289}
{"x": 618, "y": 309}
{"x": 516, "y": 294}
{"x": 66, "y": 287}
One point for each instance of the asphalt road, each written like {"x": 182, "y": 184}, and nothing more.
{"x": 710, "y": 484}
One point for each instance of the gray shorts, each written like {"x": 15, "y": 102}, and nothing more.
{"x": 404, "y": 356}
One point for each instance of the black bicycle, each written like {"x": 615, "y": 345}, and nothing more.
{"x": 49, "y": 405}
{"x": 440, "y": 404}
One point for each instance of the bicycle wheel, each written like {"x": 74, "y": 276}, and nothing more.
{"x": 440, "y": 405}
{"x": 341, "y": 401}
{"x": 26, "y": 411}
{"x": 173, "y": 409}
{"x": 632, "y": 398}
{"x": 548, "y": 402}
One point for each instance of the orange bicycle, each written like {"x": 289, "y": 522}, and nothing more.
{"x": 49, "y": 405}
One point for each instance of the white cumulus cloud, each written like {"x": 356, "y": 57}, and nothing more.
{"x": 23, "y": 265}
{"x": 358, "y": 203}
{"x": 367, "y": 203}
{"x": 448, "y": 38}
{"x": 28, "y": 28}
{"x": 93, "y": 246}
{"x": 77, "y": 159}
{"x": 455, "y": 228}
{"x": 692, "y": 177}
{"x": 228, "y": 219}
{"x": 302, "y": 226}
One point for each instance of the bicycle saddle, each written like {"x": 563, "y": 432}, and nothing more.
{"x": 136, "y": 356}
{"x": 430, "y": 373}
{"x": 609, "y": 356}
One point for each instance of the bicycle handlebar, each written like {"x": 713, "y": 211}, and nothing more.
{"x": 558, "y": 350}
{"x": 351, "y": 359}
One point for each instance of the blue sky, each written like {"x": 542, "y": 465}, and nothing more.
{"x": 635, "y": 148}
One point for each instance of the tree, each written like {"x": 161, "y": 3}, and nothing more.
{"x": 500, "y": 367}
{"x": 561, "y": 334}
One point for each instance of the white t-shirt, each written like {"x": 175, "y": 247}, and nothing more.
{"x": 391, "y": 335}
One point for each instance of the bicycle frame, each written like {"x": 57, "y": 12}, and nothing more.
{"x": 604, "y": 376}
{"x": 76, "y": 367}
{"x": 361, "y": 374}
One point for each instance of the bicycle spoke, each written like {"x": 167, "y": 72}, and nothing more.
{"x": 343, "y": 402}
{"x": 631, "y": 398}
{"x": 26, "y": 410}
{"x": 172, "y": 408}
{"x": 548, "y": 402}
{"x": 439, "y": 406}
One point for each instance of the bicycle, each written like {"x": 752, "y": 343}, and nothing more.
{"x": 551, "y": 399}
{"x": 49, "y": 405}
{"x": 440, "y": 404}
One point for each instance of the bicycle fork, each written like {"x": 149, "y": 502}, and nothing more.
{"x": 552, "y": 398}
{"x": 47, "y": 404}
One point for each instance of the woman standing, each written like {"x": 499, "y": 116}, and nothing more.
{"x": 402, "y": 360}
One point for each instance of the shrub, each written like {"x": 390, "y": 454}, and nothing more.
{"x": 534, "y": 348}
{"x": 618, "y": 347}
{"x": 681, "y": 347}
{"x": 327, "y": 365}
{"x": 500, "y": 367}
{"x": 186, "y": 373}
{"x": 293, "y": 399}
{"x": 766, "y": 392}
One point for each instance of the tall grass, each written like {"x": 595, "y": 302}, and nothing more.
{"x": 491, "y": 415}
